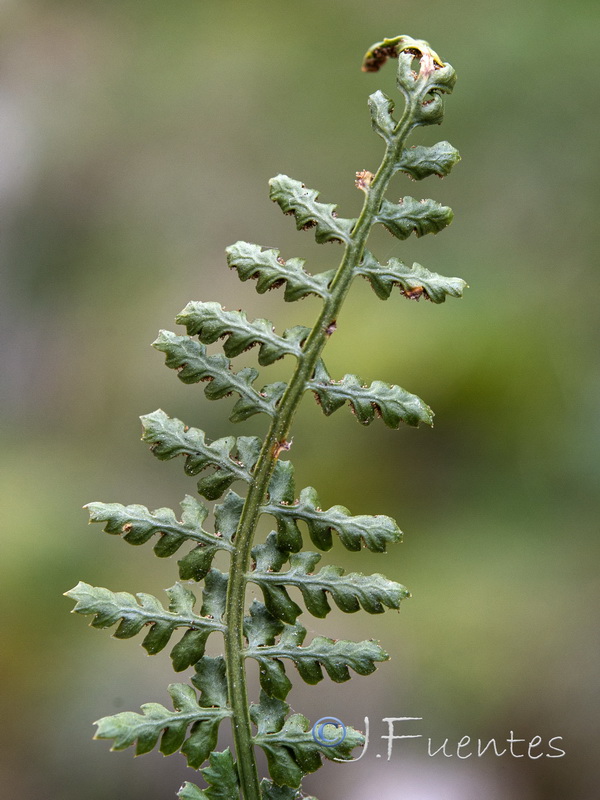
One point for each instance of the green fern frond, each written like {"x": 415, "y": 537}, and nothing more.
{"x": 232, "y": 458}
{"x": 373, "y": 532}
{"x": 110, "y": 608}
{"x": 413, "y": 216}
{"x": 392, "y": 403}
{"x": 137, "y": 525}
{"x": 156, "y": 721}
{"x": 420, "y": 162}
{"x": 210, "y": 321}
{"x": 193, "y": 365}
{"x": 271, "y": 791}
{"x": 289, "y": 745}
{"x": 294, "y": 198}
{"x": 336, "y": 657}
{"x": 221, "y": 777}
{"x": 210, "y": 678}
{"x": 350, "y": 592}
{"x": 270, "y": 633}
{"x": 189, "y": 791}
{"x": 222, "y": 785}
{"x": 382, "y": 109}
{"x": 271, "y": 271}
{"x": 414, "y": 282}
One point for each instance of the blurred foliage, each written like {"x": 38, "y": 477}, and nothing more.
{"x": 128, "y": 129}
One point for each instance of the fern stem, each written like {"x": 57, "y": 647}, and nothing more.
{"x": 276, "y": 440}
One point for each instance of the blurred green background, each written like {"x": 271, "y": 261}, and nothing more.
{"x": 137, "y": 139}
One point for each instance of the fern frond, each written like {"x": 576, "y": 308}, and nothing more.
{"x": 110, "y": 608}
{"x": 210, "y": 321}
{"x": 413, "y": 216}
{"x": 210, "y": 678}
{"x": 433, "y": 79}
{"x": 336, "y": 657}
{"x": 189, "y": 791}
{"x": 294, "y": 198}
{"x": 374, "y": 532}
{"x": 193, "y": 365}
{"x": 392, "y": 403}
{"x": 414, "y": 282}
{"x": 420, "y": 162}
{"x": 271, "y": 791}
{"x": 232, "y": 458}
{"x": 137, "y": 525}
{"x": 222, "y": 787}
{"x": 382, "y": 108}
{"x": 350, "y": 592}
{"x": 289, "y": 745}
{"x": 156, "y": 721}
{"x": 221, "y": 777}
{"x": 271, "y": 271}
{"x": 271, "y": 634}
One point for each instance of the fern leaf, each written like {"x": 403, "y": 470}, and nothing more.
{"x": 221, "y": 776}
{"x": 420, "y": 162}
{"x": 294, "y": 198}
{"x": 195, "y": 565}
{"x": 137, "y": 525}
{"x": 261, "y": 629}
{"x": 414, "y": 282}
{"x": 374, "y": 532}
{"x": 271, "y": 271}
{"x": 189, "y": 357}
{"x": 350, "y": 592}
{"x": 189, "y": 791}
{"x": 289, "y": 745}
{"x": 271, "y": 791}
{"x": 413, "y": 216}
{"x": 210, "y": 679}
{"x": 169, "y": 438}
{"x": 156, "y": 721}
{"x": 110, "y": 608}
{"x": 382, "y": 107}
{"x": 210, "y": 321}
{"x": 392, "y": 403}
{"x": 336, "y": 657}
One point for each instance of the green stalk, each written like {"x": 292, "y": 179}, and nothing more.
{"x": 276, "y": 441}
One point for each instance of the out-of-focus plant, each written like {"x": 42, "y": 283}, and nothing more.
{"x": 269, "y": 631}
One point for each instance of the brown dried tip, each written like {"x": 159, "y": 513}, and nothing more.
{"x": 379, "y": 53}
{"x": 375, "y": 59}
{"x": 364, "y": 179}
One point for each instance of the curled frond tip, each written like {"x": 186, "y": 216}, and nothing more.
{"x": 378, "y": 53}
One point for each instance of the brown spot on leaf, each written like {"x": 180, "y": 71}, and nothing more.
{"x": 415, "y": 293}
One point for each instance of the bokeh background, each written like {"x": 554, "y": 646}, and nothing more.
{"x": 137, "y": 139}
